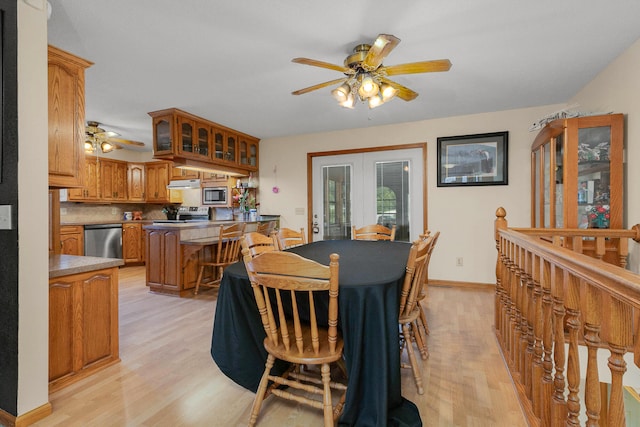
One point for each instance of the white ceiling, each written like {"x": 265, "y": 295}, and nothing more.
{"x": 230, "y": 61}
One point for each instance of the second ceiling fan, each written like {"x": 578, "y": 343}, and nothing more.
{"x": 97, "y": 138}
{"x": 366, "y": 78}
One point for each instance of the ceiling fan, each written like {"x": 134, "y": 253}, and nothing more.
{"x": 96, "y": 138}
{"x": 365, "y": 76}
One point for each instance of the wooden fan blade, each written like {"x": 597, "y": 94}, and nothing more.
{"x": 383, "y": 45}
{"x": 403, "y": 92}
{"x": 418, "y": 67}
{"x": 318, "y": 86}
{"x": 116, "y": 141}
{"x": 320, "y": 64}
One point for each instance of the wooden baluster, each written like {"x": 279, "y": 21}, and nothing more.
{"x": 547, "y": 344}
{"x": 600, "y": 247}
{"x": 573, "y": 363}
{"x": 499, "y": 224}
{"x": 592, "y": 324}
{"x": 517, "y": 327}
{"x": 530, "y": 322}
{"x": 512, "y": 305}
{"x": 620, "y": 339}
{"x": 524, "y": 312}
{"x": 558, "y": 404}
{"x": 502, "y": 297}
{"x": 514, "y": 320}
{"x": 577, "y": 244}
{"x": 538, "y": 327}
{"x": 623, "y": 251}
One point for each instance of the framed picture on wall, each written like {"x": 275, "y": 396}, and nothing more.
{"x": 479, "y": 159}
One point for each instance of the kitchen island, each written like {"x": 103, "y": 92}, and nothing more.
{"x": 174, "y": 252}
{"x": 83, "y": 317}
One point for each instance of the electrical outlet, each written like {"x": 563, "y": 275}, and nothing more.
{"x": 63, "y": 211}
{"x": 114, "y": 211}
{"x": 459, "y": 262}
{"x": 5, "y": 217}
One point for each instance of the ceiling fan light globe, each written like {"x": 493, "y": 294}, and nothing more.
{"x": 106, "y": 146}
{"x": 387, "y": 91}
{"x": 341, "y": 93}
{"x": 375, "y": 101}
{"x": 349, "y": 102}
{"x": 88, "y": 147}
{"x": 368, "y": 87}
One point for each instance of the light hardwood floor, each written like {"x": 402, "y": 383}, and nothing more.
{"x": 167, "y": 377}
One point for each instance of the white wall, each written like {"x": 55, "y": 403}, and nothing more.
{"x": 617, "y": 89}
{"x": 33, "y": 267}
{"x": 464, "y": 215}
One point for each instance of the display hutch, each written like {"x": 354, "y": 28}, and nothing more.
{"x": 577, "y": 173}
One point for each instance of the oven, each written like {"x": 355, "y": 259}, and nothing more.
{"x": 216, "y": 196}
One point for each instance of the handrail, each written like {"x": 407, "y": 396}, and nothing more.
{"x": 550, "y": 301}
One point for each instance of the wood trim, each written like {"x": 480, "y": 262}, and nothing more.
{"x": 489, "y": 287}
{"x": 26, "y": 419}
{"x": 310, "y": 156}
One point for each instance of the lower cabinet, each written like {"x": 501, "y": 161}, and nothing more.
{"x": 72, "y": 240}
{"x": 83, "y": 325}
{"x": 172, "y": 268}
{"x": 132, "y": 243}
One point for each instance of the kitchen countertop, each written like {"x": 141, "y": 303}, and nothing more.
{"x": 65, "y": 265}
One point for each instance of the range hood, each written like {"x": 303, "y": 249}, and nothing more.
{"x": 184, "y": 184}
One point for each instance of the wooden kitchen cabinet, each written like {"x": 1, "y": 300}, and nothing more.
{"x": 90, "y": 191}
{"x": 157, "y": 177}
{"x": 172, "y": 268}
{"x": 193, "y": 141}
{"x": 179, "y": 173}
{"x": 66, "y": 118}
{"x": 132, "y": 243}
{"x": 113, "y": 180}
{"x": 83, "y": 325}
{"x": 72, "y": 239}
{"x": 135, "y": 182}
{"x": 162, "y": 254}
{"x": 248, "y": 153}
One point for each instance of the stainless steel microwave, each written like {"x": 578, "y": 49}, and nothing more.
{"x": 216, "y": 196}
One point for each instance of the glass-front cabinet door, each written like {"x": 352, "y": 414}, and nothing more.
{"x": 577, "y": 173}
{"x": 162, "y": 135}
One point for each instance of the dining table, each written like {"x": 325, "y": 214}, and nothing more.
{"x": 371, "y": 274}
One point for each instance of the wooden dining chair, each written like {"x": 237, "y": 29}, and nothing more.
{"x": 409, "y": 307}
{"x": 266, "y": 228}
{"x": 373, "y": 232}
{"x": 423, "y": 326}
{"x": 288, "y": 238}
{"x": 258, "y": 243}
{"x": 275, "y": 277}
{"x": 226, "y": 252}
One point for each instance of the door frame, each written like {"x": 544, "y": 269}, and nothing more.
{"x": 310, "y": 156}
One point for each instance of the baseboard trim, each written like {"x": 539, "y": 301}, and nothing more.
{"x": 489, "y": 287}
{"x": 24, "y": 420}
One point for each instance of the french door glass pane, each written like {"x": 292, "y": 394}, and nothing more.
{"x": 336, "y": 183}
{"x": 392, "y": 200}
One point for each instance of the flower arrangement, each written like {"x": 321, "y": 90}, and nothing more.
{"x": 598, "y": 216}
{"x": 170, "y": 211}
{"x": 245, "y": 200}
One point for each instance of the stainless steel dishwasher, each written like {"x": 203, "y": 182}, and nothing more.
{"x": 103, "y": 240}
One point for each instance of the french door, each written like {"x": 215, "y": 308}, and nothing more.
{"x": 384, "y": 187}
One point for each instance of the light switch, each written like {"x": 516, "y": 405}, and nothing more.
{"x": 5, "y": 217}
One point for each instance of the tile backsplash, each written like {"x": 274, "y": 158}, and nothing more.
{"x": 86, "y": 212}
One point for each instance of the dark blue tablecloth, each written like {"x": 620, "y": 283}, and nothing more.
{"x": 371, "y": 275}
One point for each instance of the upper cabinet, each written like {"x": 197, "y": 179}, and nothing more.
{"x": 191, "y": 141}
{"x": 66, "y": 118}
{"x": 577, "y": 173}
